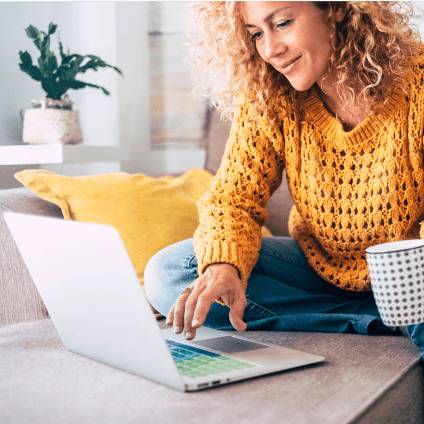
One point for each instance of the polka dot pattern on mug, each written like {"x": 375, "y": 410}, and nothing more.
{"x": 397, "y": 280}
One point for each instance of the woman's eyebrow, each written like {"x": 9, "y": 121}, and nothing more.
{"x": 267, "y": 18}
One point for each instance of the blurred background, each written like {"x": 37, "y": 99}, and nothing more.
{"x": 173, "y": 109}
{"x": 150, "y": 114}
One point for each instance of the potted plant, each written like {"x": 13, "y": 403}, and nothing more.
{"x": 52, "y": 120}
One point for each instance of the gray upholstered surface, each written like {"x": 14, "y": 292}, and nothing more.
{"x": 19, "y": 299}
{"x": 41, "y": 382}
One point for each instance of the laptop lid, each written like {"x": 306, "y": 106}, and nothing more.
{"x": 93, "y": 294}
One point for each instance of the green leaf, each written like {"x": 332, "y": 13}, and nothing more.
{"x": 38, "y": 42}
{"x": 52, "y": 28}
{"x": 47, "y": 67}
{"x": 60, "y": 91}
{"x": 50, "y": 87}
{"x": 62, "y": 54}
{"x": 93, "y": 57}
{"x": 78, "y": 60}
{"x": 95, "y": 63}
{"x": 26, "y": 58}
{"x": 68, "y": 58}
{"x": 56, "y": 80}
{"x": 45, "y": 46}
{"x": 75, "y": 67}
{"x": 62, "y": 87}
{"x": 41, "y": 66}
{"x": 76, "y": 85}
{"x": 118, "y": 70}
{"x": 32, "y": 71}
{"x": 51, "y": 64}
{"x": 91, "y": 64}
{"x": 32, "y": 32}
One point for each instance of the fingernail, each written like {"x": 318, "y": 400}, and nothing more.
{"x": 177, "y": 329}
{"x": 188, "y": 335}
{"x": 195, "y": 322}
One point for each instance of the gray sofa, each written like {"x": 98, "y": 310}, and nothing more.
{"x": 365, "y": 379}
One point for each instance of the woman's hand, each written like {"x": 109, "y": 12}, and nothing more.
{"x": 190, "y": 309}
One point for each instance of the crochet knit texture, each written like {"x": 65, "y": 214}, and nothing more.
{"x": 351, "y": 190}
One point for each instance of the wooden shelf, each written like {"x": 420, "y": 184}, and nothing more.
{"x": 57, "y": 154}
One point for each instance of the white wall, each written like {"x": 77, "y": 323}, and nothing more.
{"x": 169, "y": 17}
{"x": 418, "y": 19}
{"x": 134, "y": 99}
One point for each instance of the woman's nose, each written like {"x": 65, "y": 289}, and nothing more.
{"x": 273, "y": 47}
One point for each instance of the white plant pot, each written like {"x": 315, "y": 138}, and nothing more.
{"x": 51, "y": 122}
{"x": 52, "y": 126}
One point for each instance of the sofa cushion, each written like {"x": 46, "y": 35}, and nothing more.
{"x": 149, "y": 213}
{"x": 365, "y": 379}
{"x": 19, "y": 298}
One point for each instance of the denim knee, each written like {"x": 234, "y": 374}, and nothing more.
{"x": 168, "y": 272}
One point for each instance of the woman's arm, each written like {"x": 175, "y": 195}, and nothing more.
{"x": 233, "y": 211}
{"x": 228, "y": 239}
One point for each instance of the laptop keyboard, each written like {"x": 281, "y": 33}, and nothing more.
{"x": 194, "y": 362}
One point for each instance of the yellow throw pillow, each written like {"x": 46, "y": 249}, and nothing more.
{"x": 149, "y": 213}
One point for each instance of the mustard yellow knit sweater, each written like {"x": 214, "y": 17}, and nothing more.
{"x": 351, "y": 190}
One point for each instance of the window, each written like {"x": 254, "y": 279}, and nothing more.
{"x": 176, "y": 117}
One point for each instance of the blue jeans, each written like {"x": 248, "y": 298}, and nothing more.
{"x": 283, "y": 294}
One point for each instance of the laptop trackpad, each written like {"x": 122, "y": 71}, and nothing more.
{"x": 229, "y": 344}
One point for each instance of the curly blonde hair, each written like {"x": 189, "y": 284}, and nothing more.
{"x": 370, "y": 46}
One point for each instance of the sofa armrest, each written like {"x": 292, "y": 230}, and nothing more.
{"x": 19, "y": 298}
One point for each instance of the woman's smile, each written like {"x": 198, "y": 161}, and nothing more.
{"x": 288, "y": 66}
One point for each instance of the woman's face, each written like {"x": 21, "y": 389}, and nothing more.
{"x": 292, "y": 37}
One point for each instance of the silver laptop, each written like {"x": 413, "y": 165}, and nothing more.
{"x": 94, "y": 297}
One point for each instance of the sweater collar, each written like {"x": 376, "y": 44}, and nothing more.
{"x": 325, "y": 122}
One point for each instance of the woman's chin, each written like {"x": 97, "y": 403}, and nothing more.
{"x": 300, "y": 85}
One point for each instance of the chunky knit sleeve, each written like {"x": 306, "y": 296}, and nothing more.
{"x": 233, "y": 211}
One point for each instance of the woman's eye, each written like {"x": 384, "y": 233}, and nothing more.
{"x": 257, "y": 35}
{"x": 284, "y": 24}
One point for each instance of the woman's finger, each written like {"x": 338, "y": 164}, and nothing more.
{"x": 180, "y": 308}
{"x": 170, "y": 317}
{"x": 236, "y": 300}
{"x": 204, "y": 302}
{"x": 190, "y": 307}
{"x": 202, "y": 309}
{"x": 237, "y": 308}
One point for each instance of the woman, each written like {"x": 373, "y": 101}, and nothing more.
{"x": 332, "y": 92}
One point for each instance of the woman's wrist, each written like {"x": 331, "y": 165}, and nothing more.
{"x": 222, "y": 265}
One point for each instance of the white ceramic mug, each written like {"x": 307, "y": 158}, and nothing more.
{"x": 397, "y": 279}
